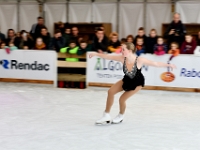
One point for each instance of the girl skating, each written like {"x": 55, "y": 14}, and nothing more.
{"x": 132, "y": 82}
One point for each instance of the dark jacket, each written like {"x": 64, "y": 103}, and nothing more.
{"x": 179, "y": 29}
{"x": 57, "y": 44}
{"x": 2, "y": 37}
{"x": 102, "y": 46}
{"x": 29, "y": 42}
{"x": 150, "y": 44}
{"x": 16, "y": 41}
{"x": 67, "y": 39}
{"x": 36, "y": 30}
{"x": 46, "y": 40}
{"x": 144, "y": 38}
{"x": 83, "y": 51}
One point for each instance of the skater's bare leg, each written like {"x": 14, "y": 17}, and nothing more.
{"x": 125, "y": 96}
{"x": 117, "y": 87}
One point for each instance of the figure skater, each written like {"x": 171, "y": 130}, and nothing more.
{"x": 132, "y": 82}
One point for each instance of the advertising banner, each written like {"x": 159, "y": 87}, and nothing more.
{"x": 29, "y": 64}
{"x": 186, "y": 75}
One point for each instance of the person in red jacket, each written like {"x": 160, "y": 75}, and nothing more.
{"x": 188, "y": 45}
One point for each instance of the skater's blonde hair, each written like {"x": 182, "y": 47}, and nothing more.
{"x": 130, "y": 46}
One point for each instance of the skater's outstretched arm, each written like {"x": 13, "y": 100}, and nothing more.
{"x": 143, "y": 61}
{"x": 119, "y": 58}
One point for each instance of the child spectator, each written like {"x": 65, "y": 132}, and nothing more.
{"x": 67, "y": 36}
{"x": 84, "y": 47}
{"x": 12, "y": 46}
{"x": 3, "y": 45}
{"x": 46, "y": 37}
{"x": 39, "y": 45}
{"x": 123, "y": 40}
{"x": 114, "y": 44}
{"x": 188, "y": 45}
{"x": 160, "y": 48}
{"x": 151, "y": 41}
{"x": 174, "y": 50}
{"x": 57, "y": 42}
{"x": 140, "y": 46}
{"x": 25, "y": 47}
{"x": 130, "y": 38}
{"x": 141, "y": 34}
{"x": 72, "y": 49}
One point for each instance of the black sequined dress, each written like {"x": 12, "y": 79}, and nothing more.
{"x": 133, "y": 78}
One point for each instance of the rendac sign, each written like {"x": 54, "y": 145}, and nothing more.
{"x": 14, "y": 64}
{"x": 31, "y": 65}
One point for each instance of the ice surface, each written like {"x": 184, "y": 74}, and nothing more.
{"x": 40, "y": 117}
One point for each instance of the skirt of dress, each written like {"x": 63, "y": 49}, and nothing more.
{"x": 131, "y": 84}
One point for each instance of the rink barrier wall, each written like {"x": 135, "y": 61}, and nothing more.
{"x": 186, "y": 78}
{"x": 150, "y": 87}
{"x": 30, "y": 66}
{"x": 64, "y": 64}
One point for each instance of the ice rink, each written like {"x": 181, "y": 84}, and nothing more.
{"x": 40, "y": 117}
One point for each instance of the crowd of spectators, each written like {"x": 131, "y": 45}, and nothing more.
{"x": 67, "y": 40}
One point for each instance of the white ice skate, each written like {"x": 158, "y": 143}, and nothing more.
{"x": 118, "y": 119}
{"x": 106, "y": 119}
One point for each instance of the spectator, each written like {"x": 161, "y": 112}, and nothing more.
{"x": 72, "y": 49}
{"x": 174, "y": 50}
{"x": 176, "y": 31}
{"x": 198, "y": 39}
{"x": 57, "y": 42}
{"x": 140, "y": 46}
{"x": 67, "y": 36}
{"x": 39, "y": 45}
{"x": 141, "y": 34}
{"x": 3, "y": 45}
{"x": 36, "y": 28}
{"x": 188, "y": 45}
{"x": 18, "y": 34}
{"x": 12, "y": 46}
{"x": 123, "y": 40}
{"x": 151, "y": 41}
{"x": 84, "y": 47}
{"x": 160, "y": 48}
{"x": 75, "y": 36}
{"x": 25, "y": 39}
{"x": 100, "y": 42}
{"x": 114, "y": 44}
{"x": 61, "y": 27}
{"x": 130, "y": 38}
{"x": 46, "y": 37}
{"x": 2, "y": 36}
{"x": 11, "y": 38}
{"x": 25, "y": 47}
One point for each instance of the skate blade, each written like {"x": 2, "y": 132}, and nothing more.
{"x": 117, "y": 122}
{"x": 104, "y": 123}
